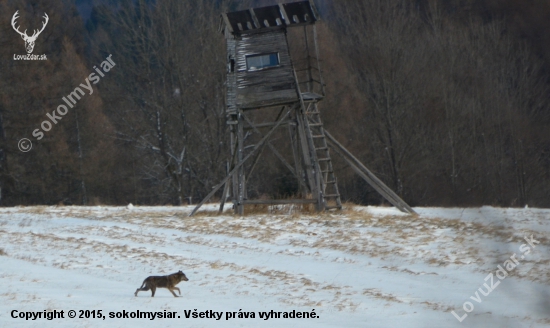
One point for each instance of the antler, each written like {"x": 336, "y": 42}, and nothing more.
{"x": 36, "y": 32}
{"x": 13, "y": 19}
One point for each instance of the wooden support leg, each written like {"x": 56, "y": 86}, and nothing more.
{"x": 369, "y": 177}
{"x": 274, "y": 150}
{"x": 240, "y": 164}
{"x": 306, "y": 155}
{"x": 239, "y": 207}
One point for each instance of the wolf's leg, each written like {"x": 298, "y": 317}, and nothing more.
{"x": 141, "y": 289}
{"x": 153, "y": 289}
{"x": 179, "y": 291}
{"x": 172, "y": 291}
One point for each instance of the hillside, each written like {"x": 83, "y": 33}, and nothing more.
{"x": 363, "y": 267}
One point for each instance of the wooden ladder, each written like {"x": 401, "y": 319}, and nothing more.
{"x": 317, "y": 140}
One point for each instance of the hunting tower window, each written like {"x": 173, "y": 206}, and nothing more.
{"x": 256, "y": 62}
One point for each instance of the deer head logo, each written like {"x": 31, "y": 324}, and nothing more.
{"x": 29, "y": 40}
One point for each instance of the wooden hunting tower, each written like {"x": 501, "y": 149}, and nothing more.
{"x": 271, "y": 85}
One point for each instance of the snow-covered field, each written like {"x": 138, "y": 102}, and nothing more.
{"x": 362, "y": 267}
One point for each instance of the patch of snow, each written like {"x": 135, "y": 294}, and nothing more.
{"x": 374, "y": 266}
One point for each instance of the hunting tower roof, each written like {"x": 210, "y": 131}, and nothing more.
{"x": 271, "y": 17}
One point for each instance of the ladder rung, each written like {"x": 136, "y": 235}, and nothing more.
{"x": 322, "y": 148}
{"x": 324, "y": 159}
{"x": 332, "y": 195}
{"x": 318, "y": 136}
{"x": 327, "y": 171}
{"x": 316, "y": 124}
{"x": 331, "y": 182}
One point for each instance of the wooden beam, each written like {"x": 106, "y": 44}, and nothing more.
{"x": 241, "y": 183}
{"x": 267, "y": 125}
{"x": 257, "y": 158}
{"x": 254, "y": 18}
{"x": 227, "y": 23}
{"x": 314, "y": 9}
{"x": 368, "y": 176}
{"x": 226, "y": 187}
{"x": 293, "y": 134}
{"x": 224, "y": 194}
{"x": 305, "y": 127}
{"x": 238, "y": 166}
{"x": 306, "y": 156}
{"x": 279, "y": 201}
{"x": 273, "y": 149}
{"x": 255, "y": 162}
{"x": 285, "y": 16}
{"x": 234, "y": 180}
{"x": 322, "y": 82}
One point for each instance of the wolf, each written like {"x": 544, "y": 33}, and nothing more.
{"x": 170, "y": 281}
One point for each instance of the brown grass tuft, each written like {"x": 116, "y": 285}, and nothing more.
{"x": 201, "y": 213}
{"x": 259, "y": 209}
{"x": 38, "y": 209}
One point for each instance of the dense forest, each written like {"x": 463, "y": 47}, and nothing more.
{"x": 447, "y": 101}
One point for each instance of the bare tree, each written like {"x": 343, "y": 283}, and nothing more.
{"x": 172, "y": 64}
{"x": 447, "y": 102}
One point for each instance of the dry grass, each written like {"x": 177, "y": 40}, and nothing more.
{"x": 349, "y": 230}
{"x": 3, "y": 252}
{"x": 376, "y": 293}
{"x": 202, "y": 213}
{"x": 38, "y": 209}
{"x": 260, "y": 209}
{"x": 352, "y": 230}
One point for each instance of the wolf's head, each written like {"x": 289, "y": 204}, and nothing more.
{"x": 181, "y": 276}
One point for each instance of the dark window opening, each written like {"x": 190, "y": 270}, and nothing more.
{"x": 256, "y": 62}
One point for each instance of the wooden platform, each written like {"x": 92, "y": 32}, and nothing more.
{"x": 310, "y": 96}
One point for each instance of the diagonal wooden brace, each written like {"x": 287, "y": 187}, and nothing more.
{"x": 236, "y": 168}
{"x": 369, "y": 177}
